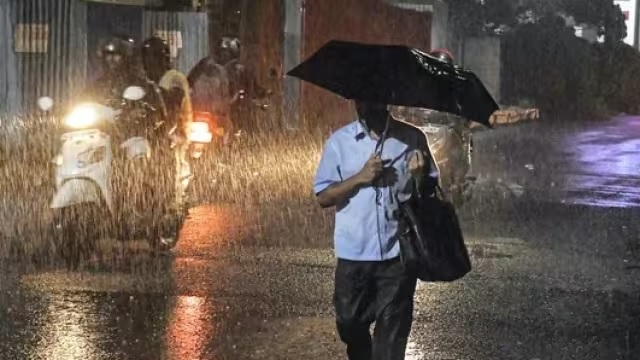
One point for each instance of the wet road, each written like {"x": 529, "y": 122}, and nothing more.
{"x": 596, "y": 164}
{"x": 540, "y": 289}
{"x": 549, "y": 282}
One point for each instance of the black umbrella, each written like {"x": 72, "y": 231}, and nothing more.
{"x": 397, "y": 75}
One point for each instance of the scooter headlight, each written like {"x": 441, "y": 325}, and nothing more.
{"x": 82, "y": 117}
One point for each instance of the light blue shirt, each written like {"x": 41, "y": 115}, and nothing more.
{"x": 367, "y": 229}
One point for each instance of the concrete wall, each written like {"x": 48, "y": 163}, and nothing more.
{"x": 10, "y": 93}
{"x": 440, "y": 31}
{"x": 483, "y": 56}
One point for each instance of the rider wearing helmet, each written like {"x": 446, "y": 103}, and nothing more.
{"x": 242, "y": 84}
{"x": 156, "y": 61}
{"x": 174, "y": 89}
{"x": 120, "y": 69}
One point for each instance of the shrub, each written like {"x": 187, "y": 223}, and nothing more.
{"x": 565, "y": 76}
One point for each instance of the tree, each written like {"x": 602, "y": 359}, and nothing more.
{"x": 603, "y": 14}
{"x": 477, "y": 17}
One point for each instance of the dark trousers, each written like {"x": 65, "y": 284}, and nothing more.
{"x": 368, "y": 292}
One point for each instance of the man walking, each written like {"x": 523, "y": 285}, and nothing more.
{"x": 367, "y": 168}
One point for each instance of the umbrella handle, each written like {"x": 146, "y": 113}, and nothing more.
{"x": 383, "y": 136}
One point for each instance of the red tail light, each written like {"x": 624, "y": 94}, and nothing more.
{"x": 200, "y": 128}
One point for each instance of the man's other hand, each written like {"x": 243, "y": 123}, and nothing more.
{"x": 416, "y": 164}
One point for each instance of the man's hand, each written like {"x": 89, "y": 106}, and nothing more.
{"x": 371, "y": 170}
{"x": 416, "y": 164}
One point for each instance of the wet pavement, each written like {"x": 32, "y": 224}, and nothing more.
{"x": 588, "y": 163}
{"x": 540, "y": 289}
{"x": 552, "y": 281}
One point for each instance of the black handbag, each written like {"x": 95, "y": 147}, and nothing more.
{"x": 432, "y": 247}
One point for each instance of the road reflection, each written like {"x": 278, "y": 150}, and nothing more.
{"x": 608, "y": 149}
{"x": 128, "y": 304}
{"x": 603, "y": 164}
{"x": 187, "y": 334}
{"x": 66, "y": 333}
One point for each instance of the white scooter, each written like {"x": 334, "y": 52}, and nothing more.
{"x": 97, "y": 182}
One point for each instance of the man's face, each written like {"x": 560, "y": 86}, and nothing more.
{"x": 374, "y": 115}
{"x": 113, "y": 61}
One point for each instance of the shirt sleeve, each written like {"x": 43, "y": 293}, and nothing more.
{"x": 328, "y": 172}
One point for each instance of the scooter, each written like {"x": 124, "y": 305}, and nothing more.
{"x": 110, "y": 179}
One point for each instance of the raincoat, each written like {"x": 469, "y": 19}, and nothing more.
{"x": 210, "y": 88}
{"x": 174, "y": 80}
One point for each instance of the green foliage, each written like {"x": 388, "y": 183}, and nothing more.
{"x": 545, "y": 62}
{"x": 620, "y": 72}
{"x": 475, "y": 17}
{"x": 606, "y": 16}
{"x": 567, "y": 77}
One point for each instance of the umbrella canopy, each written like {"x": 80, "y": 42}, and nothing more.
{"x": 397, "y": 75}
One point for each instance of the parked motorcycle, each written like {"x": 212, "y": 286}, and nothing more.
{"x": 118, "y": 173}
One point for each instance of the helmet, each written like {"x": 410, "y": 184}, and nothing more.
{"x": 231, "y": 43}
{"x": 156, "y": 56}
{"x": 156, "y": 48}
{"x": 118, "y": 44}
{"x": 442, "y": 55}
{"x": 228, "y": 48}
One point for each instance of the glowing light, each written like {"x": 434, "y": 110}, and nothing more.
{"x": 82, "y": 117}
{"x": 199, "y": 133}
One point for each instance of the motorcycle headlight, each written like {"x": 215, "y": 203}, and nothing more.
{"x": 82, "y": 117}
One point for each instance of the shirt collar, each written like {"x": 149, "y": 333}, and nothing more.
{"x": 359, "y": 131}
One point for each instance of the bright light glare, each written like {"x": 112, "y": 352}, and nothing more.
{"x": 82, "y": 117}
{"x": 199, "y": 133}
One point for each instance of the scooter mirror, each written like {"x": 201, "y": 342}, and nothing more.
{"x": 134, "y": 93}
{"x": 45, "y": 103}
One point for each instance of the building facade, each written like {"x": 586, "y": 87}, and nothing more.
{"x": 309, "y": 24}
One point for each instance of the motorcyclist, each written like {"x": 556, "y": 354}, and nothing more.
{"x": 174, "y": 86}
{"x": 120, "y": 70}
{"x": 156, "y": 61}
{"x": 210, "y": 92}
{"x": 242, "y": 84}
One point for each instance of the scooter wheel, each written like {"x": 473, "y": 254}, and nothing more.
{"x": 74, "y": 234}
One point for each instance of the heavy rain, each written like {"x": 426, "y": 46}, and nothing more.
{"x": 161, "y": 178}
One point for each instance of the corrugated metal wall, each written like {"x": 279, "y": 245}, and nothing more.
{"x": 59, "y": 72}
{"x": 57, "y": 68}
{"x": 9, "y": 83}
{"x": 75, "y": 29}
